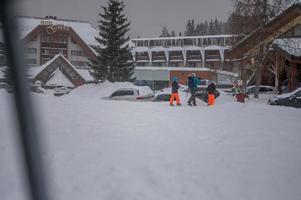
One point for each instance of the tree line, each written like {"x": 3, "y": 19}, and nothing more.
{"x": 245, "y": 17}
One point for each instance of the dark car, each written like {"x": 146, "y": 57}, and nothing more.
{"x": 162, "y": 97}
{"x": 292, "y": 99}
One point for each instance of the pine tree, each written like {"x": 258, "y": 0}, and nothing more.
{"x": 114, "y": 60}
{"x": 173, "y": 34}
{"x": 164, "y": 32}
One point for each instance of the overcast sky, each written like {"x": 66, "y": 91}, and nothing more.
{"x": 147, "y": 17}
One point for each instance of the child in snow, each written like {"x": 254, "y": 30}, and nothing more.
{"x": 174, "y": 92}
{"x": 211, "y": 94}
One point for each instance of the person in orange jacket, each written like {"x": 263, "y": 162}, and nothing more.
{"x": 211, "y": 94}
{"x": 174, "y": 92}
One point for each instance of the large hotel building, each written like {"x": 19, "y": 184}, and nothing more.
{"x": 156, "y": 59}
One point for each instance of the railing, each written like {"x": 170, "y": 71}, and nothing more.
{"x": 199, "y": 41}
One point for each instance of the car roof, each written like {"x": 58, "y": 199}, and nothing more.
{"x": 126, "y": 89}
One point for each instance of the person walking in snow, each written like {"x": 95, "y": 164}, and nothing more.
{"x": 211, "y": 94}
{"x": 193, "y": 82}
{"x": 174, "y": 92}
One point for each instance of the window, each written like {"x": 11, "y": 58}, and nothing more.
{"x": 262, "y": 89}
{"x": 77, "y": 53}
{"x": 79, "y": 63}
{"x": 123, "y": 93}
{"x": 31, "y": 51}
{"x": 31, "y": 61}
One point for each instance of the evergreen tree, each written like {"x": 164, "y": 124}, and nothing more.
{"x": 164, "y": 32}
{"x": 211, "y": 29}
{"x": 173, "y": 34}
{"x": 114, "y": 61}
{"x": 188, "y": 28}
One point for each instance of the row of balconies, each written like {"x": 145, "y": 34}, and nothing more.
{"x": 165, "y": 56}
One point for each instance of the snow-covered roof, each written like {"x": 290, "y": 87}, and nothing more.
{"x": 58, "y": 78}
{"x": 84, "y": 29}
{"x": 34, "y": 71}
{"x": 85, "y": 73}
{"x": 290, "y": 45}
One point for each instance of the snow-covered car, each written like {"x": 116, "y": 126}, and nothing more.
{"x": 59, "y": 91}
{"x": 162, "y": 97}
{"x": 263, "y": 89}
{"x": 131, "y": 94}
{"x": 292, "y": 99}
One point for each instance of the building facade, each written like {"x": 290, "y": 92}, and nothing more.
{"x": 159, "y": 59}
{"x": 46, "y": 37}
{"x": 193, "y": 51}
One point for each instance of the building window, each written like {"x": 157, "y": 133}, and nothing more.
{"x": 31, "y": 51}
{"x": 82, "y": 64}
{"x": 31, "y": 61}
{"x": 77, "y": 53}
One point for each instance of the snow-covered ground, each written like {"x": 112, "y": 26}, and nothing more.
{"x": 117, "y": 150}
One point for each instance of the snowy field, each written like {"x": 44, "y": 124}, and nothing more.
{"x": 98, "y": 149}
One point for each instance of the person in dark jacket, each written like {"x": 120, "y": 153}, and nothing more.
{"x": 211, "y": 94}
{"x": 193, "y": 81}
{"x": 174, "y": 92}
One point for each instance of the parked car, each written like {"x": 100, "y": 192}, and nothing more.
{"x": 292, "y": 99}
{"x": 263, "y": 89}
{"x": 61, "y": 90}
{"x": 162, "y": 97}
{"x": 131, "y": 94}
{"x": 37, "y": 87}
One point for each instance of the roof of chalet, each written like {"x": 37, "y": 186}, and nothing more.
{"x": 58, "y": 63}
{"x": 272, "y": 29}
{"x": 291, "y": 46}
{"x": 84, "y": 29}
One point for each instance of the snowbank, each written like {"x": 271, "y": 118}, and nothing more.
{"x": 96, "y": 149}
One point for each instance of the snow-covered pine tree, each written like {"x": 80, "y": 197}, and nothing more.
{"x": 114, "y": 61}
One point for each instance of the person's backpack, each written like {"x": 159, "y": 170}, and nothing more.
{"x": 191, "y": 83}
